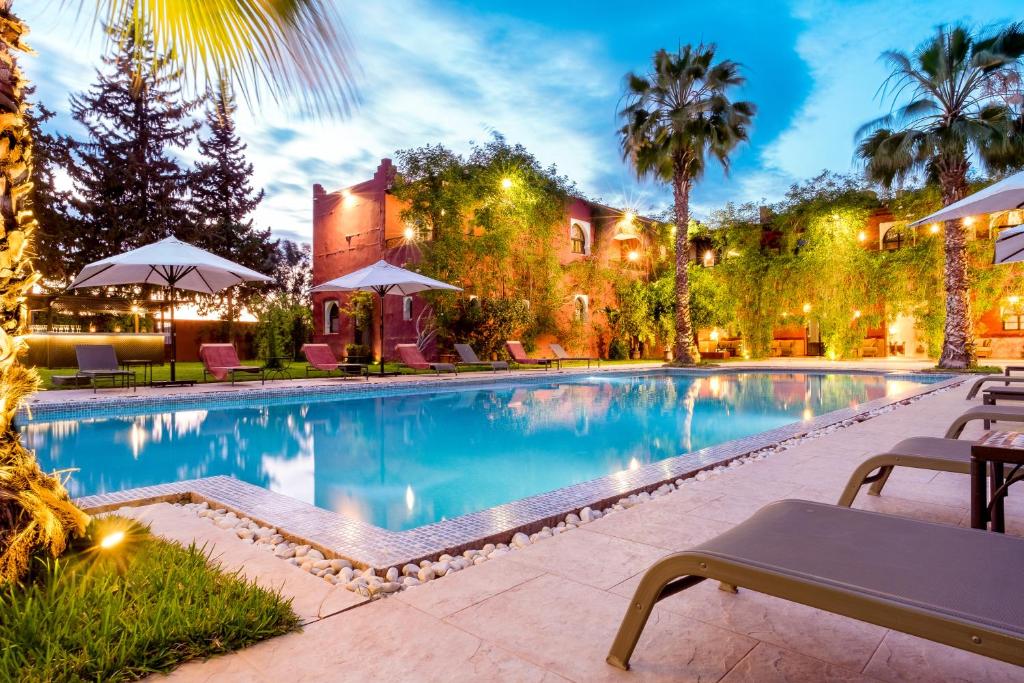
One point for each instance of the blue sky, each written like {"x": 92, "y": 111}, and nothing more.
{"x": 549, "y": 75}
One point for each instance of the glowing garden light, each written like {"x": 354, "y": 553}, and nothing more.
{"x": 633, "y": 255}
{"x": 856, "y": 314}
{"x": 1013, "y": 299}
{"x": 969, "y": 220}
{"x": 861, "y": 236}
{"x": 111, "y": 540}
{"x": 506, "y": 183}
{"x": 807, "y": 308}
{"x": 409, "y": 233}
{"x": 934, "y": 228}
{"x": 709, "y": 258}
{"x": 714, "y": 335}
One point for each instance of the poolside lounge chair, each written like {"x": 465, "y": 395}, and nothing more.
{"x": 988, "y": 413}
{"x": 468, "y": 357}
{"x": 561, "y": 355}
{"x": 993, "y": 395}
{"x": 320, "y": 357}
{"x": 1005, "y": 379}
{"x": 947, "y": 584}
{"x": 412, "y": 357}
{"x": 96, "y": 361}
{"x": 519, "y": 357}
{"x": 221, "y": 361}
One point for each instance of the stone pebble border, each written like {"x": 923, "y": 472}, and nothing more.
{"x": 368, "y": 583}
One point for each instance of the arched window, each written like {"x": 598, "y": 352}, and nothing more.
{"x": 406, "y": 308}
{"x": 580, "y": 306}
{"x": 332, "y": 318}
{"x": 578, "y": 238}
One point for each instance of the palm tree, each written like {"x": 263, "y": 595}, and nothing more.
{"x": 950, "y": 117}
{"x": 675, "y": 118}
{"x": 287, "y": 49}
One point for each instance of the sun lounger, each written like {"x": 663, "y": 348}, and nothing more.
{"x": 988, "y": 413}
{"x": 320, "y": 357}
{"x": 412, "y": 357}
{"x": 993, "y": 395}
{"x": 1005, "y": 379}
{"x": 96, "y": 361}
{"x": 947, "y": 584}
{"x": 221, "y": 361}
{"x": 468, "y": 357}
{"x": 561, "y": 356}
{"x": 519, "y": 357}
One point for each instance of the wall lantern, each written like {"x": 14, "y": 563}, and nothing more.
{"x": 633, "y": 255}
{"x": 807, "y": 308}
{"x": 409, "y": 233}
{"x": 861, "y": 236}
{"x": 856, "y": 314}
{"x": 934, "y": 228}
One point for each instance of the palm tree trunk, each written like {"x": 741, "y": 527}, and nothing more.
{"x": 685, "y": 350}
{"x": 35, "y": 510}
{"x": 958, "y": 337}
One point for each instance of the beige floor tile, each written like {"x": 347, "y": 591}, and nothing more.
{"x": 229, "y": 668}
{"x": 386, "y": 640}
{"x": 567, "y": 627}
{"x": 829, "y": 637}
{"x": 468, "y": 587}
{"x": 666, "y": 531}
{"x": 595, "y": 559}
{"x": 770, "y": 664}
{"x": 906, "y": 659}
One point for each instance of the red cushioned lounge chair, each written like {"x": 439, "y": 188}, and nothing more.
{"x": 221, "y": 361}
{"x": 412, "y": 357}
{"x": 519, "y": 357}
{"x": 321, "y": 358}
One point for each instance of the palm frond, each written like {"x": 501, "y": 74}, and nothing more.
{"x": 294, "y": 51}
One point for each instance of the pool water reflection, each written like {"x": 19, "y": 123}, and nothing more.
{"x": 403, "y": 461}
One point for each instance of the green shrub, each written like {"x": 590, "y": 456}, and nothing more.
{"x": 144, "y": 606}
{"x": 355, "y": 351}
{"x": 618, "y": 350}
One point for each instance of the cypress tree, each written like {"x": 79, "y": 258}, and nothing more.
{"x": 130, "y": 189}
{"x": 56, "y": 239}
{"x": 223, "y": 200}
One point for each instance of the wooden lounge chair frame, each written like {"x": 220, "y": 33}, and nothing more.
{"x": 987, "y": 413}
{"x": 1006, "y": 379}
{"x": 993, "y": 395}
{"x": 88, "y": 354}
{"x": 864, "y": 565}
{"x": 436, "y": 367}
{"x": 561, "y": 356}
{"x": 344, "y": 368}
{"x": 469, "y": 358}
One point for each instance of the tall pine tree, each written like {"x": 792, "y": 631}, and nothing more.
{"x": 56, "y": 238}
{"x": 130, "y": 189}
{"x": 223, "y": 200}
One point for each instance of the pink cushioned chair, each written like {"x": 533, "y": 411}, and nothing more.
{"x": 221, "y": 361}
{"x": 321, "y": 358}
{"x": 519, "y": 357}
{"x": 413, "y": 358}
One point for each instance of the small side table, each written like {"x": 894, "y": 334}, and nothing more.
{"x": 281, "y": 371}
{"x": 995, "y": 451}
{"x": 146, "y": 365}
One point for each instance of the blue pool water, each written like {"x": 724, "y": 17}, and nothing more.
{"x": 403, "y": 461}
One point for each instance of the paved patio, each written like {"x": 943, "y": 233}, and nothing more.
{"x": 549, "y": 612}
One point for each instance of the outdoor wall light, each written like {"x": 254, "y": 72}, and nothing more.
{"x": 807, "y": 308}
{"x": 934, "y": 229}
{"x": 714, "y": 335}
{"x": 969, "y": 220}
{"x": 861, "y": 236}
{"x": 633, "y": 255}
{"x": 409, "y": 234}
{"x": 709, "y": 258}
{"x": 856, "y": 314}
{"x": 1013, "y": 299}
{"x": 629, "y": 216}
{"x": 893, "y": 329}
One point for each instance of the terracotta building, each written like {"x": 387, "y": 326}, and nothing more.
{"x": 358, "y": 225}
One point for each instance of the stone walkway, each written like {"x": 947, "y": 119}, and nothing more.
{"x": 550, "y": 611}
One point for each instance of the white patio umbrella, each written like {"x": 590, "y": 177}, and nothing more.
{"x": 1006, "y": 195}
{"x": 168, "y": 263}
{"x": 383, "y": 278}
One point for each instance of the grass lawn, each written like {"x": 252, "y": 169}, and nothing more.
{"x": 194, "y": 371}
{"x": 119, "y": 614}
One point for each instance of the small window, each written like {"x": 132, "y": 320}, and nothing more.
{"x": 893, "y": 239}
{"x": 578, "y": 238}
{"x": 580, "y": 306}
{"x": 406, "y": 308}
{"x": 1012, "y": 322}
{"x": 332, "y": 318}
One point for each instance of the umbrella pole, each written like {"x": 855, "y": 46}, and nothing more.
{"x": 174, "y": 337}
{"x": 381, "y": 295}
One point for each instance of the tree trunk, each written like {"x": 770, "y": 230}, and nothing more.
{"x": 685, "y": 350}
{"x": 35, "y": 510}
{"x": 958, "y": 336}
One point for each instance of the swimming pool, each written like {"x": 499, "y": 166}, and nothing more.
{"x": 403, "y": 461}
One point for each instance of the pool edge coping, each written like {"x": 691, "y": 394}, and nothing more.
{"x": 368, "y": 545}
